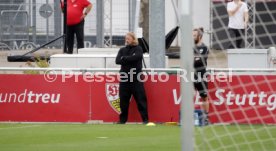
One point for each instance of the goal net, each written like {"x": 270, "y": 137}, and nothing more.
{"x": 242, "y": 104}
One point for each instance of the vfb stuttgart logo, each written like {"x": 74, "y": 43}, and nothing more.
{"x": 112, "y": 94}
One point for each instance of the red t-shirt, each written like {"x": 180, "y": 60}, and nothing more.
{"x": 75, "y": 10}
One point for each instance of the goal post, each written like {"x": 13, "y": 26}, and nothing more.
{"x": 186, "y": 61}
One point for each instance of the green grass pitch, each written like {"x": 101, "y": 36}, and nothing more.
{"x": 87, "y": 137}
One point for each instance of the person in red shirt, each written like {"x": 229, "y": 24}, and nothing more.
{"x": 77, "y": 10}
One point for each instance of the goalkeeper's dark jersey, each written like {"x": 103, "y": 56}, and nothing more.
{"x": 200, "y": 57}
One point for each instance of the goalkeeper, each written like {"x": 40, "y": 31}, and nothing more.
{"x": 201, "y": 52}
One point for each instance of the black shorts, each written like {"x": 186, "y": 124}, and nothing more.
{"x": 200, "y": 84}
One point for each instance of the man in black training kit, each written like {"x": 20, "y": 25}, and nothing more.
{"x": 200, "y": 64}
{"x": 130, "y": 58}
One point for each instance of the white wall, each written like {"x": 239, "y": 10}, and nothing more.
{"x": 171, "y": 20}
{"x": 201, "y": 17}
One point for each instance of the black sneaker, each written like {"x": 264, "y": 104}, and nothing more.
{"x": 121, "y": 122}
{"x": 145, "y": 122}
{"x": 206, "y": 119}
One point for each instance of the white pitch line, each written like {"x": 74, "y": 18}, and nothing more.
{"x": 20, "y": 127}
{"x": 102, "y": 137}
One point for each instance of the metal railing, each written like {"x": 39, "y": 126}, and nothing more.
{"x": 45, "y": 20}
{"x": 214, "y": 70}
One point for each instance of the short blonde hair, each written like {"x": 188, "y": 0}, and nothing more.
{"x": 133, "y": 36}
